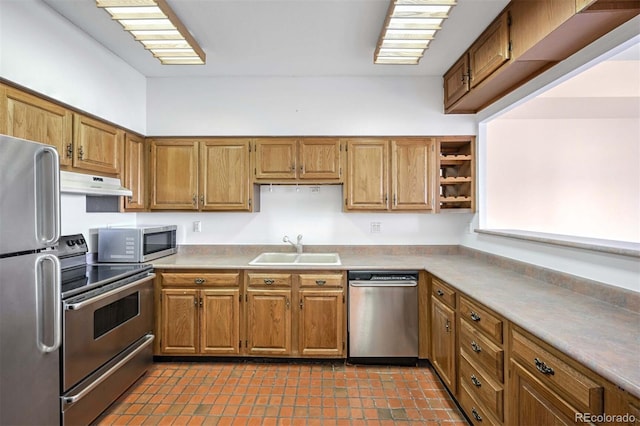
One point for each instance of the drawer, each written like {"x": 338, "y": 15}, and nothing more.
{"x": 321, "y": 280}
{"x": 476, "y": 412}
{"x": 270, "y": 280}
{"x": 482, "y": 351}
{"x": 443, "y": 292}
{"x": 481, "y": 319}
{"x": 191, "y": 279}
{"x": 583, "y": 392}
{"x": 483, "y": 389}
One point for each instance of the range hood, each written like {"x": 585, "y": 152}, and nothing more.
{"x": 76, "y": 183}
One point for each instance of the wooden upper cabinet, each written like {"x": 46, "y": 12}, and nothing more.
{"x": 490, "y": 51}
{"x": 134, "y": 172}
{"x": 532, "y": 22}
{"x": 319, "y": 158}
{"x": 174, "y": 174}
{"x": 307, "y": 159}
{"x": 97, "y": 145}
{"x": 225, "y": 180}
{"x": 412, "y": 165}
{"x": 456, "y": 81}
{"x": 275, "y": 158}
{"x": 30, "y": 117}
{"x": 367, "y": 184}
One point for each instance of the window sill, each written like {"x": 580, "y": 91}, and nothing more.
{"x": 621, "y": 248}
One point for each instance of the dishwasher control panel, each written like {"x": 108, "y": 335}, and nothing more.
{"x": 383, "y": 275}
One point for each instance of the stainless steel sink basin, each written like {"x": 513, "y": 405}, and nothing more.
{"x": 294, "y": 259}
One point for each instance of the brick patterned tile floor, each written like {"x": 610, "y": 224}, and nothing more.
{"x": 225, "y": 393}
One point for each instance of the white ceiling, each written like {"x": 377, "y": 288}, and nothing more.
{"x": 285, "y": 37}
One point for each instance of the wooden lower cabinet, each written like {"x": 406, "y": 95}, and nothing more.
{"x": 443, "y": 342}
{"x": 269, "y": 322}
{"x": 200, "y": 313}
{"x": 321, "y": 323}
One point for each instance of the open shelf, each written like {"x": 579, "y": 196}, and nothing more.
{"x": 456, "y": 164}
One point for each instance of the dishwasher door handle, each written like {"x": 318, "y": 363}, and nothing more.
{"x": 374, "y": 284}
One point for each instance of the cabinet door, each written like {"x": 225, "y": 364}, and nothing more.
{"x": 456, "y": 81}
{"x": 367, "y": 170}
{"x": 134, "y": 172}
{"x": 275, "y": 158}
{"x": 29, "y": 117}
{"x": 321, "y": 323}
{"x": 532, "y": 403}
{"x": 269, "y": 322}
{"x": 220, "y": 321}
{"x": 490, "y": 51}
{"x": 319, "y": 158}
{"x": 224, "y": 175}
{"x": 179, "y": 331}
{"x": 174, "y": 174}
{"x": 97, "y": 145}
{"x": 443, "y": 341}
{"x": 412, "y": 165}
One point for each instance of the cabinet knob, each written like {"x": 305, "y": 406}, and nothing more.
{"x": 475, "y": 347}
{"x": 439, "y": 292}
{"x": 475, "y": 414}
{"x": 475, "y": 381}
{"x": 475, "y": 316}
{"x": 321, "y": 282}
{"x": 195, "y": 200}
{"x": 69, "y": 150}
{"x": 268, "y": 281}
{"x": 543, "y": 367}
{"x": 199, "y": 281}
{"x": 81, "y": 153}
{"x": 202, "y": 200}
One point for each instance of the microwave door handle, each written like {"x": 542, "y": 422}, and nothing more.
{"x": 47, "y": 183}
{"x": 48, "y": 297}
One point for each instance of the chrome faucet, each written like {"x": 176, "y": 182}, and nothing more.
{"x": 297, "y": 245}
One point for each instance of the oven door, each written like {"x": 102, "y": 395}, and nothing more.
{"x": 98, "y": 328}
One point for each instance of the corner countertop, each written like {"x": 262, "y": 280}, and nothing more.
{"x": 603, "y": 337}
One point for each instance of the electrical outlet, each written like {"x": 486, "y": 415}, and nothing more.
{"x": 197, "y": 226}
{"x": 375, "y": 227}
{"x": 315, "y": 188}
{"x": 470, "y": 230}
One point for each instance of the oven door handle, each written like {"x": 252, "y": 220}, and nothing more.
{"x": 80, "y": 305}
{"x": 77, "y": 397}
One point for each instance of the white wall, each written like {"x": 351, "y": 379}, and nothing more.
{"x": 301, "y": 106}
{"x": 41, "y": 50}
{"x": 290, "y": 210}
{"x": 75, "y": 219}
{"x": 570, "y": 177}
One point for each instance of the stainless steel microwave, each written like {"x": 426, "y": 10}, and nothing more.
{"x": 133, "y": 244}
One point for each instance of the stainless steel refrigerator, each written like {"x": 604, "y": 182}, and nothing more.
{"x": 30, "y": 318}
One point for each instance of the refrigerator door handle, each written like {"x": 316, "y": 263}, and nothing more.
{"x": 48, "y": 195}
{"x": 50, "y": 301}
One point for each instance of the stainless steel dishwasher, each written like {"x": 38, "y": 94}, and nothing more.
{"x": 383, "y": 314}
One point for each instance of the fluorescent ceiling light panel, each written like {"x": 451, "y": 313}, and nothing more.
{"x": 408, "y": 28}
{"x": 156, "y": 26}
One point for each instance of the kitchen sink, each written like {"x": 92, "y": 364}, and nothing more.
{"x": 294, "y": 259}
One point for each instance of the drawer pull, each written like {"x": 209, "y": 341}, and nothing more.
{"x": 475, "y": 316}
{"x": 475, "y": 381}
{"x": 199, "y": 281}
{"x": 476, "y": 415}
{"x": 475, "y": 347}
{"x": 440, "y": 292}
{"x": 268, "y": 281}
{"x": 543, "y": 368}
{"x": 321, "y": 282}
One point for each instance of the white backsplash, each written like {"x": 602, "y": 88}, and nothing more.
{"x": 316, "y": 213}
